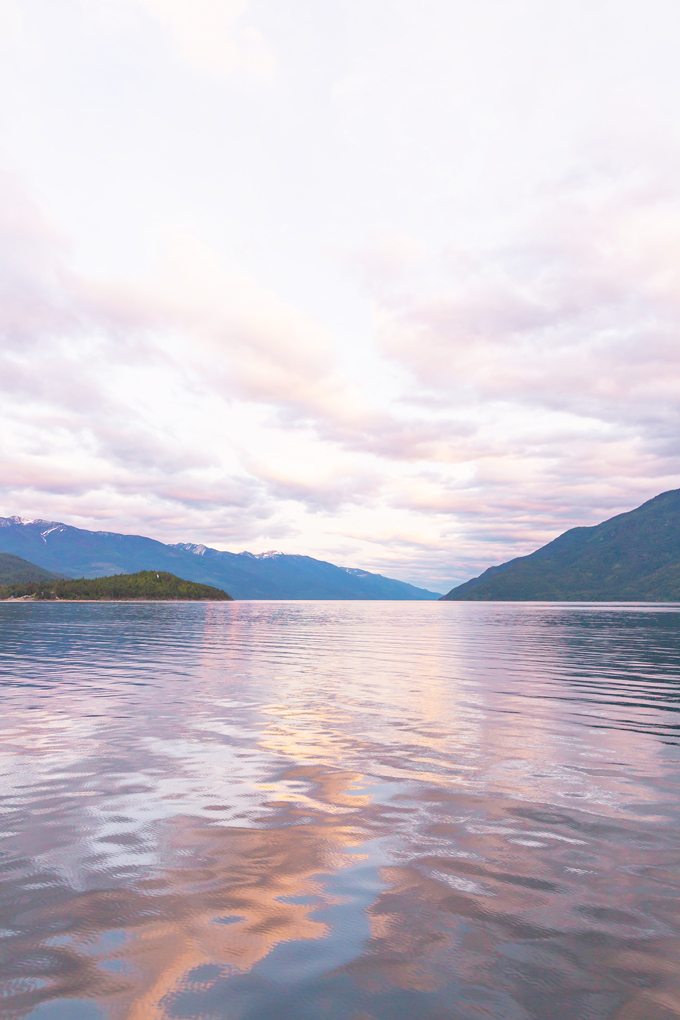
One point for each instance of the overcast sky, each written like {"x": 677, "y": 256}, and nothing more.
{"x": 392, "y": 283}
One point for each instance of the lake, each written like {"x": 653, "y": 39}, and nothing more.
{"x": 340, "y": 811}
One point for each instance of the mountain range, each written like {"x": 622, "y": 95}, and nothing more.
{"x": 634, "y": 556}
{"x": 75, "y": 552}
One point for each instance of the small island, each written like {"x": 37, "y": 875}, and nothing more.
{"x": 144, "y": 586}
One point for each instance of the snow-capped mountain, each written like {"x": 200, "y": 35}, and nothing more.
{"x": 76, "y": 552}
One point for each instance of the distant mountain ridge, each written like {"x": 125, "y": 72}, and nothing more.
{"x": 632, "y": 557}
{"x": 76, "y": 552}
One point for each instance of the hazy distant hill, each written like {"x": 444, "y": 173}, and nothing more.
{"x": 146, "y": 585}
{"x": 632, "y": 557}
{"x": 79, "y": 553}
{"x": 15, "y": 569}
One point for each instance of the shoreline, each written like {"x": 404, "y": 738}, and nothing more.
{"x": 29, "y": 598}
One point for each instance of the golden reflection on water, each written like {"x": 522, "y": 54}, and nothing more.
{"x": 233, "y": 907}
{"x": 229, "y": 902}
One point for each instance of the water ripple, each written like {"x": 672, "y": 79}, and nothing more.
{"x": 352, "y": 811}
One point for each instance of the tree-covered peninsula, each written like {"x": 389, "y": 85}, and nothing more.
{"x": 145, "y": 585}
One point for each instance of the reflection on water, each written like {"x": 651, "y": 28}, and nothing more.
{"x": 352, "y": 811}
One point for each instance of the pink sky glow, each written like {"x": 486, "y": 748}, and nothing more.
{"x": 394, "y": 284}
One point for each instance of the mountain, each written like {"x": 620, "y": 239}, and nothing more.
{"x": 14, "y": 569}
{"x": 144, "y": 586}
{"x": 631, "y": 557}
{"x": 79, "y": 553}
{"x": 283, "y": 574}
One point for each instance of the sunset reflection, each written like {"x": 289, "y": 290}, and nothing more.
{"x": 475, "y": 815}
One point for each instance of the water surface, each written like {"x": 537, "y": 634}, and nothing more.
{"x": 339, "y": 811}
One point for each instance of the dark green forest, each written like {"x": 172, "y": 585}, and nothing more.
{"x": 144, "y": 585}
{"x": 634, "y": 556}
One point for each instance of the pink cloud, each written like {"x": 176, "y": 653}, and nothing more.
{"x": 534, "y": 385}
{"x": 579, "y": 313}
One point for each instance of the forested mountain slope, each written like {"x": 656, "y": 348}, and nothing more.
{"x": 631, "y": 557}
{"x": 16, "y": 569}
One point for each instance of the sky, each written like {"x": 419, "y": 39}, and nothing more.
{"x": 393, "y": 283}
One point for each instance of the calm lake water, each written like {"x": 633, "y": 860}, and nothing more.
{"x": 340, "y": 811}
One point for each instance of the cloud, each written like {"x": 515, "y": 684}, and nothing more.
{"x": 208, "y": 35}
{"x": 532, "y": 389}
{"x": 493, "y": 356}
{"x": 578, "y": 311}
{"x": 179, "y": 401}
